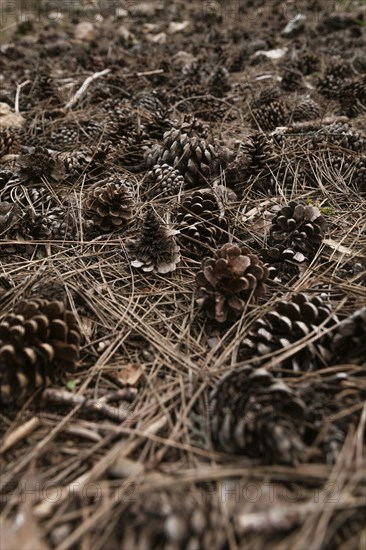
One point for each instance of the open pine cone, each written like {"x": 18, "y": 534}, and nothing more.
{"x": 110, "y": 205}
{"x": 38, "y": 341}
{"x": 297, "y": 227}
{"x": 254, "y": 414}
{"x": 228, "y": 280}
{"x": 290, "y": 321}
{"x": 155, "y": 249}
{"x": 201, "y": 221}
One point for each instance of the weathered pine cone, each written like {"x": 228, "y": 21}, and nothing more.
{"x": 297, "y": 227}
{"x": 353, "y": 97}
{"x": 348, "y": 342}
{"x": 326, "y": 393}
{"x": 37, "y": 164}
{"x": 307, "y": 109}
{"x": 268, "y": 111}
{"x": 290, "y": 321}
{"x": 155, "y": 249}
{"x": 330, "y": 83}
{"x": 254, "y": 414}
{"x": 192, "y": 156}
{"x": 359, "y": 175}
{"x": 201, "y": 222}
{"x": 228, "y": 280}
{"x": 109, "y": 205}
{"x": 38, "y": 341}
{"x": 161, "y": 520}
{"x": 164, "y": 181}
{"x": 9, "y": 142}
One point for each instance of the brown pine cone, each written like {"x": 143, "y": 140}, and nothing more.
{"x": 326, "y": 393}
{"x": 306, "y": 110}
{"x": 109, "y": 205}
{"x": 353, "y": 97}
{"x": 290, "y": 321}
{"x": 192, "y": 156}
{"x": 201, "y": 222}
{"x": 228, "y": 280}
{"x": 298, "y": 227}
{"x": 359, "y": 175}
{"x": 348, "y": 342}
{"x": 268, "y": 110}
{"x": 9, "y": 142}
{"x": 37, "y": 164}
{"x": 254, "y": 414}
{"x": 38, "y": 341}
{"x": 164, "y": 181}
{"x": 155, "y": 249}
{"x": 171, "y": 520}
{"x": 330, "y": 83}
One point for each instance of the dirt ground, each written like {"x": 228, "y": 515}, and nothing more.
{"x": 183, "y": 275}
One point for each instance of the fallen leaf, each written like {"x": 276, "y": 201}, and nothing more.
{"x": 131, "y": 374}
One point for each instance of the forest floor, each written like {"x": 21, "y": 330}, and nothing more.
{"x": 131, "y": 448}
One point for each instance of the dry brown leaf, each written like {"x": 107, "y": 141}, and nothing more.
{"x": 131, "y": 374}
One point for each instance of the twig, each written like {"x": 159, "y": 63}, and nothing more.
{"x": 146, "y": 73}
{"x": 17, "y": 95}
{"x": 81, "y": 91}
{"x": 18, "y": 434}
{"x": 64, "y": 397}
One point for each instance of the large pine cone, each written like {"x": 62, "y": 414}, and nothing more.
{"x": 228, "y": 280}
{"x": 164, "y": 181}
{"x": 38, "y": 341}
{"x": 298, "y": 227}
{"x": 201, "y": 221}
{"x": 110, "y": 206}
{"x": 268, "y": 111}
{"x": 254, "y": 414}
{"x": 171, "y": 520}
{"x": 37, "y": 164}
{"x": 338, "y": 134}
{"x": 289, "y": 322}
{"x": 192, "y": 156}
{"x": 353, "y": 97}
{"x": 155, "y": 249}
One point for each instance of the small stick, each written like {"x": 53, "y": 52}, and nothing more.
{"x": 81, "y": 91}
{"x": 64, "y": 397}
{"x": 17, "y": 95}
{"x": 19, "y": 433}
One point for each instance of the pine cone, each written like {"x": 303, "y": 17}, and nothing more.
{"x": 306, "y": 110}
{"x": 176, "y": 520}
{"x": 9, "y": 142}
{"x": 164, "y": 181}
{"x": 352, "y": 97}
{"x": 201, "y": 221}
{"x": 109, "y": 205}
{"x": 292, "y": 78}
{"x": 228, "y": 280}
{"x": 308, "y": 62}
{"x": 268, "y": 111}
{"x": 327, "y": 393}
{"x": 348, "y": 343}
{"x": 218, "y": 82}
{"x": 254, "y": 414}
{"x": 38, "y": 164}
{"x": 289, "y": 322}
{"x": 359, "y": 175}
{"x": 38, "y": 341}
{"x": 298, "y": 227}
{"x": 330, "y": 83}
{"x": 341, "y": 135}
{"x": 192, "y": 156}
{"x": 11, "y": 216}
{"x": 155, "y": 249}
